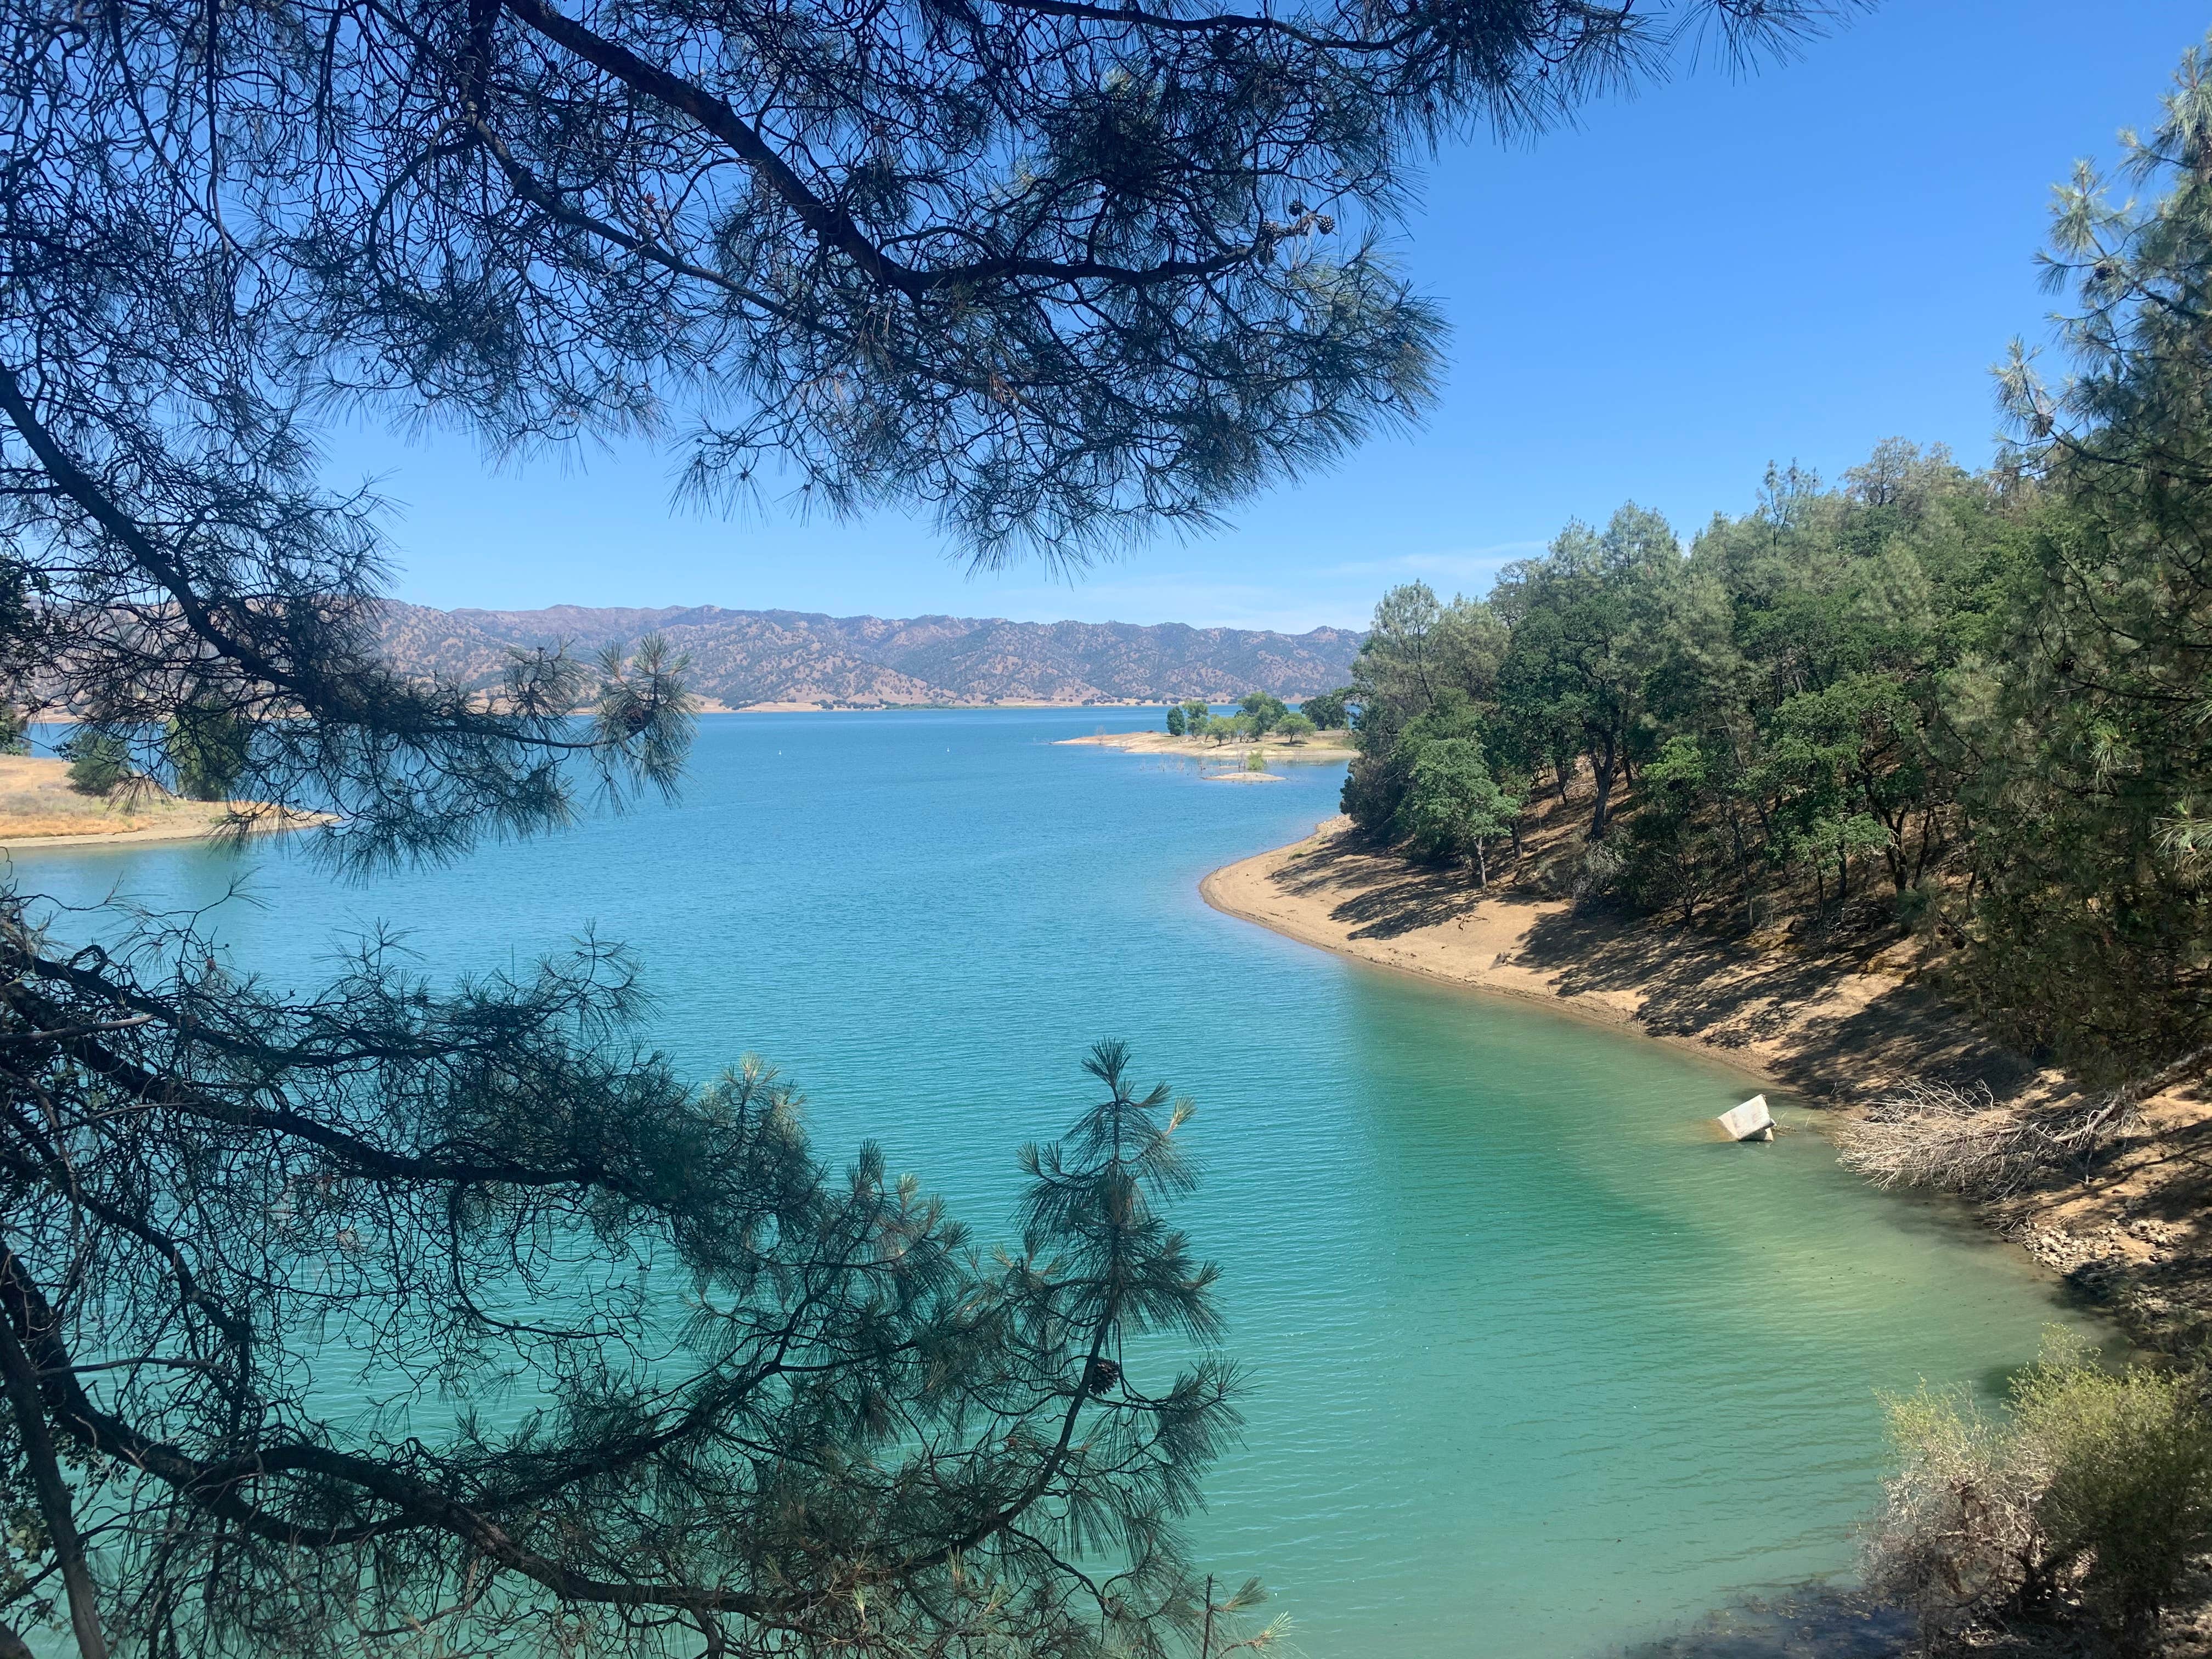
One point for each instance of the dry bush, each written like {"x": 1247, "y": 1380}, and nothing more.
{"x": 1957, "y": 1140}
{"x": 1957, "y": 1539}
{"x": 2085, "y": 1508}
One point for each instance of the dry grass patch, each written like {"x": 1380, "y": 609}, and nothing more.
{"x": 36, "y": 803}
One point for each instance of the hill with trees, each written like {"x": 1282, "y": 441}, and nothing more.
{"x": 1971, "y": 706}
{"x": 1925, "y": 701}
{"x": 740, "y": 658}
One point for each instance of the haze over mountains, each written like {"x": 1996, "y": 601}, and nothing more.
{"x": 744, "y": 659}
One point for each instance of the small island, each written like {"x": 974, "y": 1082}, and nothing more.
{"x": 1262, "y": 729}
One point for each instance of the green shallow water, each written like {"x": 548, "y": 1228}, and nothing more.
{"x": 1536, "y": 1366}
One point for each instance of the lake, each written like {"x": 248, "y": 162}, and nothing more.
{"x": 1537, "y": 1366}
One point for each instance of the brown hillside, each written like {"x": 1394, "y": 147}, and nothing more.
{"x": 743, "y": 657}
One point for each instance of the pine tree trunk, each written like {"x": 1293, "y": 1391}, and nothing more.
{"x": 1920, "y": 857}
{"x": 52, "y": 1493}
{"x": 1602, "y": 768}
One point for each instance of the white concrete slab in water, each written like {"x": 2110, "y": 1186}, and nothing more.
{"x": 1749, "y": 1120}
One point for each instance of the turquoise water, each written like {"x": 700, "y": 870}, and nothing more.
{"x": 1536, "y": 1366}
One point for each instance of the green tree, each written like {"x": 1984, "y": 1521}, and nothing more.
{"x": 207, "y": 748}
{"x": 1591, "y": 625}
{"x": 1825, "y": 658}
{"x": 1177, "y": 722}
{"x": 1295, "y": 728}
{"x": 99, "y": 761}
{"x": 2093, "y": 878}
{"x": 819, "y": 1294}
{"x": 1420, "y": 656}
{"x": 1675, "y": 858}
{"x": 1453, "y": 807}
{"x": 1330, "y": 711}
{"x": 1264, "y": 711}
{"x": 1859, "y": 621}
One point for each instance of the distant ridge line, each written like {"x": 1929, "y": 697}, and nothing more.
{"x": 746, "y": 659}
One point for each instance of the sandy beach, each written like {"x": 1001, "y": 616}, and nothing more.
{"x": 38, "y": 810}
{"x": 1814, "y": 1024}
{"x": 1835, "y": 1028}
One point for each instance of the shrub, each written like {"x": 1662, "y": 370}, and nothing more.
{"x": 1598, "y": 869}
{"x": 100, "y": 761}
{"x": 2130, "y": 1498}
{"x": 1956, "y": 1539}
{"x": 2098, "y": 1490}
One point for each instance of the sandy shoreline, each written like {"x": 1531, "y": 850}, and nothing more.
{"x": 38, "y": 809}
{"x": 2131, "y": 1238}
{"x": 201, "y": 830}
{"x": 1814, "y": 1026}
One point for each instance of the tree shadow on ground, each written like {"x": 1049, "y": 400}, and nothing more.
{"x": 1683, "y": 982}
{"x": 1729, "y": 995}
{"x": 1389, "y": 896}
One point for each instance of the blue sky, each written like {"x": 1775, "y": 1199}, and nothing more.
{"x": 1650, "y": 306}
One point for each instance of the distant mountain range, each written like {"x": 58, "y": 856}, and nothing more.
{"x": 744, "y": 659}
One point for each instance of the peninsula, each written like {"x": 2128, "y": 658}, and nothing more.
{"x": 37, "y": 808}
